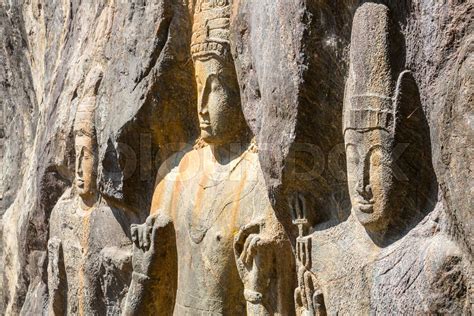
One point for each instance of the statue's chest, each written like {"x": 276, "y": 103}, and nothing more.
{"x": 207, "y": 273}
{"x": 214, "y": 208}
{"x": 342, "y": 268}
{"x": 205, "y": 261}
{"x": 214, "y": 251}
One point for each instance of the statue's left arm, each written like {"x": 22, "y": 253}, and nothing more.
{"x": 265, "y": 264}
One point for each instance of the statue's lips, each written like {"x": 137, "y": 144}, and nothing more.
{"x": 205, "y": 125}
{"x": 365, "y": 206}
{"x": 80, "y": 183}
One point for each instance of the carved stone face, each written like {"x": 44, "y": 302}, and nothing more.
{"x": 218, "y": 101}
{"x": 370, "y": 176}
{"x": 85, "y": 164}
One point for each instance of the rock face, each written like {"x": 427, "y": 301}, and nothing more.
{"x": 236, "y": 157}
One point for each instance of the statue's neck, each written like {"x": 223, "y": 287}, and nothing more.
{"x": 224, "y": 153}
{"x": 89, "y": 200}
{"x": 394, "y": 230}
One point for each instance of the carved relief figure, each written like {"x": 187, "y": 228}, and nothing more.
{"x": 212, "y": 244}
{"x": 369, "y": 123}
{"x": 391, "y": 180}
{"x": 88, "y": 245}
{"x": 394, "y": 253}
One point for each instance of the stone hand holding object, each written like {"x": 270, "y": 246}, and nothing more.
{"x": 253, "y": 255}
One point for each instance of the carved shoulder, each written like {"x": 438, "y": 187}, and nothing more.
{"x": 447, "y": 271}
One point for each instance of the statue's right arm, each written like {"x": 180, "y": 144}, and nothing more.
{"x": 154, "y": 278}
{"x": 138, "y": 299}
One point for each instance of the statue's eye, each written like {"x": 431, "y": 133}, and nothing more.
{"x": 352, "y": 155}
{"x": 84, "y": 153}
{"x": 377, "y": 157}
{"x": 216, "y": 85}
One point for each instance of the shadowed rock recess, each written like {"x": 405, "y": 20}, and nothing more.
{"x": 236, "y": 157}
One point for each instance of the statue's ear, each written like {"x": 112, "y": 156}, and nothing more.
{"x": 407, "y": 102}
{"x": 412, "y": 128}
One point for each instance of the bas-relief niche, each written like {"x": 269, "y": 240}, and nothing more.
{"x": 212, "y": 244}
{"x": 393, "y": 253}
{"x": 89, "y": 247}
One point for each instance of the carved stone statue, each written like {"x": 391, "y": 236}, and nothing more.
{"x": 394, "y": 254}
{"x": 212, "y": 244}
{"x": 391, "y": 180}
{"x": 89, "y": 250}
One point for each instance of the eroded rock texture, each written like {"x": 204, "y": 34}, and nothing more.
{"x": 236, "y": 157}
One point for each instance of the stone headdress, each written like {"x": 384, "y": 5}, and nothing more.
{"x": 369, "y": 102}
{"x": 211, "y": 28}
{"x": 84, "y": 122}
{"x": 85, "y": 116}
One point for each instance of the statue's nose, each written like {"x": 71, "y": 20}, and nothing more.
{"x": 363, "y": 186}
{"x": 79, "y": 167}
{"x": 203, "y": 111}
{"x": 365, "y": 190}
{"x": 202, "y": 104}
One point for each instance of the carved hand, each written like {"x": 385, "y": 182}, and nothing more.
{"x": 253, "y": 254}
{"x": 145, "y": 239}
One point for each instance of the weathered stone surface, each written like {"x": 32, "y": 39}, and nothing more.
{"x": 212, "y": 243}
{"x": 292, "y": 64}
{"x": 394, "y": 253}
{"x": 55, "y": 44}
{"x": 284, "y": 53}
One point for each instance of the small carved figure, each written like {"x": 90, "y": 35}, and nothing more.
{"x": 82, "y": 225}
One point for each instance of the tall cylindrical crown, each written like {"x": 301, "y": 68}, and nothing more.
{"x": 211, "y": 28}
{"x": 369, "y": 91}
{"x": 84, "y": 122}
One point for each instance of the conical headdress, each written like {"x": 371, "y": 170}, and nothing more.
{"x": 368, "y": 101}
{"x": 85, "y": 116}
{"x": 211, "y": 28}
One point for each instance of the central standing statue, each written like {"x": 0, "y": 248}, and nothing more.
{"x": 210, "y": 244}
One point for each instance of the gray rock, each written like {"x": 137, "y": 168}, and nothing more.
{"x": 292, "y": 60}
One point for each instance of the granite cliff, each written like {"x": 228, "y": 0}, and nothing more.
{"x": 298, "y": 83}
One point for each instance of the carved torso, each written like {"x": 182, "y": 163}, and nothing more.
{"x": 423, "y": 273}
{"x": 409, "y": 276}
{"x": 340, "y": 258}
{"x": 209, "y": 203}
{"x": 82, "y": 267}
